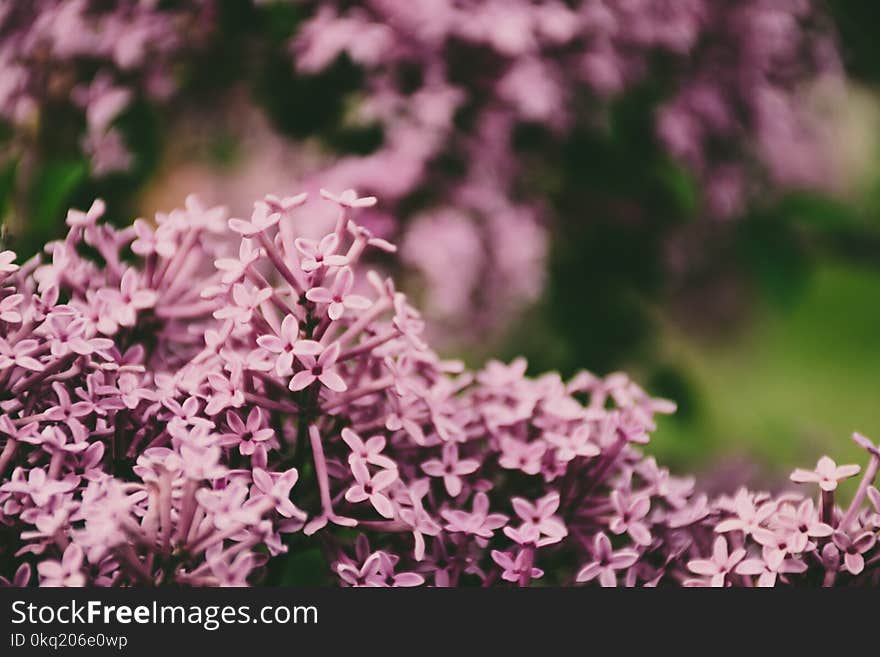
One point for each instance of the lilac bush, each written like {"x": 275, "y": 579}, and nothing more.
{"x": 93, "y": 56}
{"x": 185, "y": 400}
{"x": 453, "y": 83}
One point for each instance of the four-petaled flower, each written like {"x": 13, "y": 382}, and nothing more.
{"x": 451, "y": 468}
{"x": 803, "y": 524}
{"x": 319, "y": 254}
{"x": 853, "y": 549}
{"x": 827, "y": 474}
{"x": 513, "y": 568}
{"x": 479, "y": 522}
{"x": 245, "y": 302}
{"x": 371, "y": 487}
{"x": 277, "y": 486}
{"x": 540, "y": 518}
{"x": 720, "y": 565}
{"x": 246, "y": 435}
{"x": 367, "y": 452}
{"x": 321, "y": 369}
{"x": 519, "y": 455}
{"x": 606, "y": 562}
{"x": 288, "y": 344}
{"x": 749, "y": 516}
{"x": 629, "y": 516}
{"x": 8, "y": 308}
{"x": 19, "y": 354}
{"x": 337, "y": 297}
{"x": 37, "y": 485}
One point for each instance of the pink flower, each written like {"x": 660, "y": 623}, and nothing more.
{"x": 235, "y": 269}
{"x": 606, "y": 562}
{"x": 720, "y": 565}
{"x": 803, "y": 524}
{"x": 18, "y": 354}
{"x": 223, "y": 394}
{"x": 519, "y": 455}
{"x": 89, "y": 218}
{"x": 479, "y": 522}
{"x": 37, "y": 485}
{"x": 853, "y": 549}
{"x": 288, "y": 344}
{"x": 319, "y": 254}
{"x": 749, "y": 517}
{"x": 418, "y": 518}
{"x": 539, "y": 517}
{"x": 278, "y": 486}
{"x": 338, "y": 297}
{"x": 322, "y": 370}
{"x": 132, "y": 298}
{"x": 246, "y": 435}
{"x": 160, "y": 241}
{"x": 286, "y": 204}
{"x": 450, "y": 468}
{"x": 827, "y": 474}
{"x": 513, "y": 568}
{"x": 67, "y": 572}
{"x": 8, "y": 312}
{"x": 367, "y": 452}
{"x": 262, "y": 219}
{"x": 349, "y": 199}
{"x": 371, "y": 487}
{"x": 369, "y": 574}
{"x": 572, "y": 445}
{"x": 629, "y": 515}
{"x": 65, "y": 411}
{"x": 246, "y": 302}
{"x": 770, "y": 567}
{"x": 7, "y": 262}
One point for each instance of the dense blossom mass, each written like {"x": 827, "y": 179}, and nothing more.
{"x": 453, "y": 86}
{"x": 95, "y": 56}
{"x": 186, "y": 400}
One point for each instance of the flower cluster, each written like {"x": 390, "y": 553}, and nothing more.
{"x": 96, "y": 55}
{"x": 178, "y": 410}
{"x": 454, "y": 82}
{"x": 764, "y": 540}
{"x": 185, "y": 400}
{"x": 452, "y": 85}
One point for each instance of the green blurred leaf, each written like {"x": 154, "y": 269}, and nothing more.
{"x": 7, "y": 187}
{"x": 52, "y": 189}
{"x": 304, "y": 567}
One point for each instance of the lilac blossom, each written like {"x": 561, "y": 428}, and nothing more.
{"x": 96, "y": 58}
{"x": 606, "y": 562}
{"x": 177, "y": 450}
{"x": 736, "y": 115}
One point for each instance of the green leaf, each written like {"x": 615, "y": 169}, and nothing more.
{"x": 52, "y": 190}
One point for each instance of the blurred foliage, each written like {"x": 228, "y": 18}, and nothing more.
{"x": 793, "y": 385}
{"x": 856, "y": 21}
